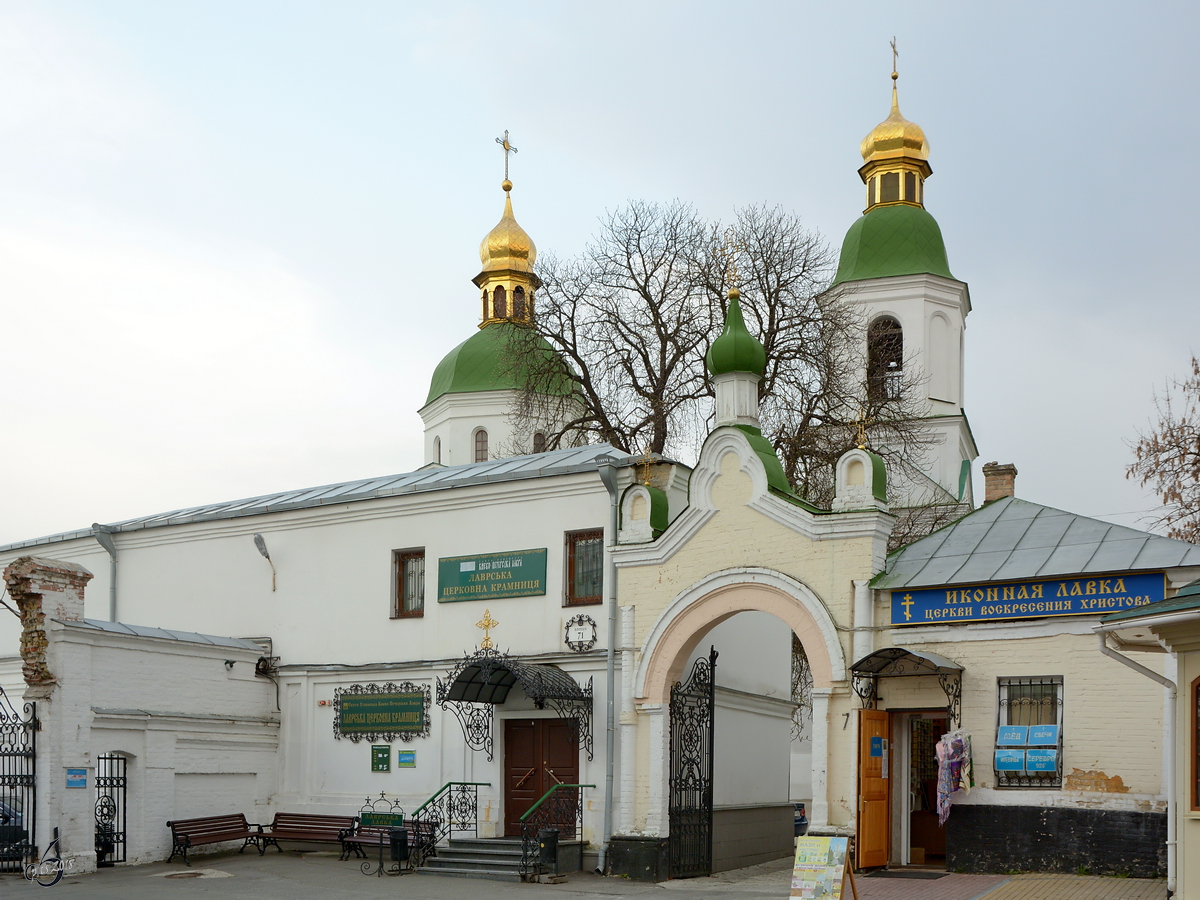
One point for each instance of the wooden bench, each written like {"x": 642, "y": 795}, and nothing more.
{"x": 422, "y": 838}
{"x": 305, "y": 827}
{"x": 188, "y": 833}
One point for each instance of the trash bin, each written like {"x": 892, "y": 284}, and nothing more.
{"x": 399, "y": 838}
{"x": 548, "y": 848}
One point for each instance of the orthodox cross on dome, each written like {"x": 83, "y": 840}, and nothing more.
{"x": 487, "y": 623}
{"x": 729, "y": 251}
{"x": 895, "y": 53}
{"x": 645, "y": 462}
{"x": 508, "y": 148}
{"x": 860, "y": 424}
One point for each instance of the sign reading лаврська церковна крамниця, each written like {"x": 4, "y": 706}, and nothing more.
{"x": 1088, "y": 596}
{"x": 491, "y": 576}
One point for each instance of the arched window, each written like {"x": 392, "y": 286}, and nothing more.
{"x": 885, "y": 359}
{"x": 519, "y": 303}
{"x": 437, "y": 450}
{"x": 481, "y": 447}
{"x": 539, "y": 442}
{"x": 500, "y": 303}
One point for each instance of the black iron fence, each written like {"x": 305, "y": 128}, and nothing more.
{"x": 557, "y": 816}
{"x": 18, "y": 784}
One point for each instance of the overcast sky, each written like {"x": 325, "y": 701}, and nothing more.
{"x": 236, "y": 237}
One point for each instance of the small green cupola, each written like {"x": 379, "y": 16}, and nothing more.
{"x": 736, "y": 349}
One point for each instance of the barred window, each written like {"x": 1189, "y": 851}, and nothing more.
{"x": 585, "y": 567}
{"x": 409, "y": 602}
{"x": 1029, "y": 733}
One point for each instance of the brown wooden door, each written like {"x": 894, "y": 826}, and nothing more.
{"x": 538, "y": 754}
{"x": 874, "y": 756}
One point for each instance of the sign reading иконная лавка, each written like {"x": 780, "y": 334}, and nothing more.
{"x": 381, "y": 713}
{"x": 490, "y": 576}
{"x": 1088, "y": 596}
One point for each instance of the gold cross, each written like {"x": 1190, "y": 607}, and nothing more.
{"x": 908, "y": 602}
{"x": 645, "y": 462}
{"x": 861, "y": 424}
{"x": 508, "y": 148}
{"x": 486, "y": 623}
{"x": 895, "y": 53}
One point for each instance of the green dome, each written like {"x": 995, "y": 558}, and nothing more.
{"x": 481, "y": 363}
{"x": 736, "y": 349}
{"x": 893, "y": 240}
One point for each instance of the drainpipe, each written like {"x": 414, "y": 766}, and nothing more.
{"x": 608, "y": 475}
{"x": 1169, "y": 776}
{"x": 103, "y": 535}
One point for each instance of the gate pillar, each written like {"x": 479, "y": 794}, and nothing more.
{"x": 658, "y": 719}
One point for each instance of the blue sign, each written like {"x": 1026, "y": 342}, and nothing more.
{"x": 76, "y": 778}
{"x": 1043, "y": 736}
{"x": 877, "y": 746}
{"x": 1090, "y": 596}
{"x": 1008, "y": 735}
{"x": 1010, "y": 760}
{"x": 1041, "y": 760}
{"x": 406, "y": 759}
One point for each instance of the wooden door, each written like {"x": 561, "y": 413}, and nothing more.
{"x": 538, "y": 754}
{"x": 874, "y": 756}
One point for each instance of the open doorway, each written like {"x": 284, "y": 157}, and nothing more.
{"x": 917, "y": 838}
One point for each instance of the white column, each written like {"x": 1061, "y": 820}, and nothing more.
{"x": 658, "y": 718}
{"x": 818, "y": 815}
{"x": 623, "y": 823}
{"x": 864, "y": 617}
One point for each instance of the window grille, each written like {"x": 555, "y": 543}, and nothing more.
{"x": 410, "y": 584}
{"x": 585, "y": 567}
{"x": 1027, "y": 703}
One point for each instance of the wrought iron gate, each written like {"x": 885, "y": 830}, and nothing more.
{"x": 110, "y": 809}
{"x": 18, "y": 784}
{"x": 690, "y": 806}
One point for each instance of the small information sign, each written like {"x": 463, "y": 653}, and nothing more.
{"x": 406, "y": 759}
{"x": 76, "y": 778}
{"x": 1010, "y": 760}
{"x": 381, "y": 758}
{"x": 490, "y": 576}
{"x": 1012, "y": 735}
{"x": 877, "y": 746}
{"x": 1043, "y": 735}
{"x": 381, "y": 820}
{"x": 1041, "y": 760}
{"x": 820, "y": 869}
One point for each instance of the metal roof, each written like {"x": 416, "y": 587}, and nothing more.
{"x": 1187, "y": 599}
{"x": 516, "y": 468}
{"x": 168, "y": 634}
{"x": 1015, "y": 540}
{"x": 895, "y": 662}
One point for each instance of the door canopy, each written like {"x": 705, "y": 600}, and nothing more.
{"x": 900, "y": 662}
{"x": 481, "y": 681}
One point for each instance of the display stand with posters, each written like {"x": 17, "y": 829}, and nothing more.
{"x": 822, "y": 868}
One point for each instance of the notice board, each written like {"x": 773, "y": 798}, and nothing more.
{"x": 821, "y": 868}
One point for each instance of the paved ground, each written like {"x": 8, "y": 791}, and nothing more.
{"x": 300, "y": 876}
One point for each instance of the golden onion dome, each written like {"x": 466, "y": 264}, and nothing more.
{"x": 507, "y": 246}
{"x": 895, "y": 137}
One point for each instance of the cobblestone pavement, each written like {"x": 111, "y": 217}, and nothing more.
{"x": 300, "y": 876}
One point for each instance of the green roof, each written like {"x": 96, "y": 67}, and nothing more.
{"x": 736, "y": 350}
{"x": 482, "y": 363}
{"x": 893, "y": 240}
{"x": 1186, "y": 600}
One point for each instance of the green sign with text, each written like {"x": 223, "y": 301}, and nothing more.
{"x": 491, "y": 576}
{"x": 381, "y": 713}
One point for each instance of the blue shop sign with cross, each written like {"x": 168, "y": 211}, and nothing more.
{"x": 1080, "y": 596}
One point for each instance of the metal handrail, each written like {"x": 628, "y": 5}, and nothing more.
{"x": 553, "y": 788}
{"x": 564, "y": 812}
{"x": 460, "y": 800}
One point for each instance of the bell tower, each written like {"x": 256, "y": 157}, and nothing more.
{"x": 893, "y": 268}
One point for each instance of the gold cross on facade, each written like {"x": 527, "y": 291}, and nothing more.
{"x": 508, "y": 148}
{"x": 487, "y": 623}
{"x": 908, "y": 602}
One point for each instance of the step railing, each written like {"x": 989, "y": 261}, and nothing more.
{"x": 452, "y": 810}
{"x": 560, "y": 808}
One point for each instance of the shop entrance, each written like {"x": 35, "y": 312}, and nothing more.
{"x": 538, "y": 754}
{"x": 918, "y": 839}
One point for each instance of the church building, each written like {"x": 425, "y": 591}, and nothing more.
{"x": 661, "y": 660}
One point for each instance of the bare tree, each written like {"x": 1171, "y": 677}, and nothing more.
{"x": 631, "y": 319}
{"x": 1168, "y": 456}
